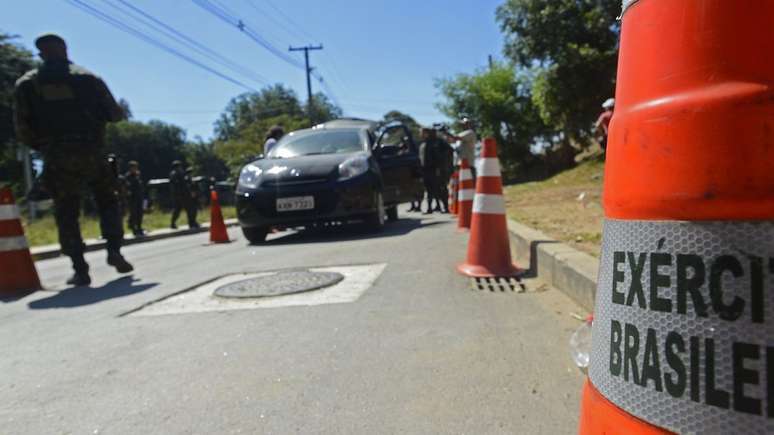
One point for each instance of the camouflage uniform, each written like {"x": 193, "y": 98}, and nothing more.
{"x": 135, "y": 199}
{"x": 182, "y": 196}
{"x": 61, "y": 111}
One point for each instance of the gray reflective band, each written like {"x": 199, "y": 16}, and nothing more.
{"x": 625, "y": 5}
{"x": 683, "y": 333}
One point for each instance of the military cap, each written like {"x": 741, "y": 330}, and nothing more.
{"x": 133, "y": 163}
{"x": 48, "y": 37}
{"x": 177, "y": 163}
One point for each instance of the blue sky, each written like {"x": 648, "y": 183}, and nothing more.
{"x": 378, "y": 56}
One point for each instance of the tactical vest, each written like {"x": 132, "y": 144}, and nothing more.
{"x": 66, "y": 105}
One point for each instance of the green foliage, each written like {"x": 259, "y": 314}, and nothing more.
{"x": 241, "y": 129}
{"x": 499, "y": 100}
{"x": 407, "y": 120}
{"x": 14, "y": 62}
{"x": 154, "y": 145}
{"x": 572, "y": 46}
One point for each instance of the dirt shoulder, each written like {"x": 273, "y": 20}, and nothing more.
{"x": 567, "y": 206}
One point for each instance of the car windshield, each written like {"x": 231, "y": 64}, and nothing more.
{"x": 318, "y": 142}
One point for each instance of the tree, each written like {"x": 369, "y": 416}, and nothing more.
{"x": 154, "y": 145}
{"x": 407, "y": 120}
{"x": 499, "y": 101}
{"x": 14, "y": 62}
{"x": 571, "y": 46}
{"x": 250, "y": 107}
{"x": 241, "y": 130}
{"x": 125, "y": 107}
{"x": 202, "y": 157}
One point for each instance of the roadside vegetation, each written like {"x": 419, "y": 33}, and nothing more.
{"x": 566, "y": 207}
{"x": 43, "y": 231}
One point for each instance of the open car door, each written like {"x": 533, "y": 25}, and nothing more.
{"x": 399, "y": 162}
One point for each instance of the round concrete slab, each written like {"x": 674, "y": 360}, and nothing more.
{"x": 282, "y": 283}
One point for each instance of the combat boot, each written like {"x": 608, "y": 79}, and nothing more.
{"x": 118, "y": 261}
{"x": 81, "y": 276}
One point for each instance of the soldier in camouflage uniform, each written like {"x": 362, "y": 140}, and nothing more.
{"x": 135, "y": 197}
{"x": 61, "y": 111}
{"x": 183, "y": 197}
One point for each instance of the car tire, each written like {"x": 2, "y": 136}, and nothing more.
{"x": 255, "y": 235}
{"x": 392, "y": 213}
{"x": 375, "y": 222}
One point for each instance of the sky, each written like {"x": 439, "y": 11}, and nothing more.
{"x": 378, "y": 55}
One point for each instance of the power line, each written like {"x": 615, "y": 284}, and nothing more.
{"x": 150, "y": 40}
{"x": 237, "y": 22}
{"x": 172, "y": 33}
{"x": 290, "y": 21}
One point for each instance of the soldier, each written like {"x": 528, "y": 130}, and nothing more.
{"x": 429, "y": 156}
{"x": 61, "y": 111}
{"x": 135, "y": 198}
{"x": 182, "y": 197}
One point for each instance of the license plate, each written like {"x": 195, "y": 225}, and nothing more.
{"x": 295, "y": 203}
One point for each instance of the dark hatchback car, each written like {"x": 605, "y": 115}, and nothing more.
{"x": 340, "y": 171}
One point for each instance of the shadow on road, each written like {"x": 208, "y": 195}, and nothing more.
{"x": 343, "y": 233}
{"x": 80, "y": 296}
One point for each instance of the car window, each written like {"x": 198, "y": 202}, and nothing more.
{"x": 318, "y": 142}
{"x": 397, "y": 137}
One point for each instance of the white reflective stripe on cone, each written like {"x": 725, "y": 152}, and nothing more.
{"x": 465, "y": 174}
{"x": 9, "y": 212}
{"x": 13, "y": 243}
{"x": 467, "y": 194}
{"x": 488, "y": 204}
{"x": 488, "y": 167}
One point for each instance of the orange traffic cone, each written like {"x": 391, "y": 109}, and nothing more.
{"x": 683, "y": 326}
{"x": 465, "y": 196}
{"x": 455, "y": 184}
{"x": 218, "y": 233}
{"x": 489, "y": 249}
{"x": 17, "y": 270}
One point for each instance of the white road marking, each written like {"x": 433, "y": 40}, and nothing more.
{"x": 357, "y": 279}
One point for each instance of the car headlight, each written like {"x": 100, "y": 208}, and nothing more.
{"x": 249, "y": 176}
{"x": 353, "y": 167}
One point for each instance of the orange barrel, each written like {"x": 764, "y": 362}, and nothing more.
{"x": 683, "y": 335}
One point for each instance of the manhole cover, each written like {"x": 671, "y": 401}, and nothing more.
{"x": 279, "y": 284}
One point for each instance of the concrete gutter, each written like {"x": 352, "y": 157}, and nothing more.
{"x": 52, "y": 251}
{"x": 556, "y": 263}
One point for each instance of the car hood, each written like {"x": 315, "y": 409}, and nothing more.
{"x": 322, "y": 166}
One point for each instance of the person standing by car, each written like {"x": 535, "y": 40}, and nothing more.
{"x": 272, "y": 137}
{"x": 603, "y": 122}
{"x": 468, "y": 140}
{"x": 135, "y": 198}
{"x": 429, "y": 156}
{"x": 61, "y": 110}
{"x": 181, "y": 195}
{"x": 445, "y": 168}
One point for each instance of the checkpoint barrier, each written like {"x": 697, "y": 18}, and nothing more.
{"x": 489, "y": 250}
{"x": 455, "y": 187}
{"x": 683, "y": 332}
{"x": 18, "y": 275}
{"x": 218, "y": 232}
{"x": 465, "y": 196}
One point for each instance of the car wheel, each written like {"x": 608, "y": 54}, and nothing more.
{"x": 255, "y": 235}
{"x": 375, "y": 222}
{"x": 392, "y": 213}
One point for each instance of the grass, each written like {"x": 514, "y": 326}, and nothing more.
{"x": 567, "y": 206}
{"x": 43, "y": 231}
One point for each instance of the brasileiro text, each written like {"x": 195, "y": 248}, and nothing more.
{"x": 690, "y": 366}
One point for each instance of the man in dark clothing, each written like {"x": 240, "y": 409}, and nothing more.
{"x": 61, "y": 111}
{"x": 182, "y": 197}
{"x": 435, "y": 156}
{"x": 135, "y": 198}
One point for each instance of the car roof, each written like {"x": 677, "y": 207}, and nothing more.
{"x": 349, "y": 123}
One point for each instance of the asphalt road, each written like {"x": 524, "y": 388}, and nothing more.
{"x": 418, "y": 352}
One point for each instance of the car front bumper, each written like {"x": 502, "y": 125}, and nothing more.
{"x": 333, "y": 201}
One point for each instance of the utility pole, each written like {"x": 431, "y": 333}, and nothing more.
{"x": 309, "y": 69}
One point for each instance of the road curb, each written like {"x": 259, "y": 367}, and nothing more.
{"x": 53, "y": 251}
{"x": 558, "y": 264}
